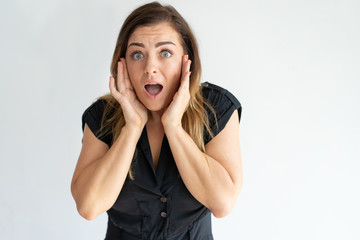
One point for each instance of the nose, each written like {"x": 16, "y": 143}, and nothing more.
{"x": 151, "y": 66}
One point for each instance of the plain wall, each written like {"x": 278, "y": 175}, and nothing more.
{"x": 294, "y": 66}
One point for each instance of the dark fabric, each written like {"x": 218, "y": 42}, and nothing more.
{"x": 156, "y": 204}
{"x": 92, "y": 116}
{"x": 224, "y": 104}
{"x": 199, "y": 230}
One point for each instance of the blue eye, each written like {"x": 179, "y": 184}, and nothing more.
{"x": 166, "y": 54}
{"x": 137, "y": 55}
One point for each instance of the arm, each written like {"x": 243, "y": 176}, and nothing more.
{"x": 100, "y": 172}
{"x": 213, "y": 178}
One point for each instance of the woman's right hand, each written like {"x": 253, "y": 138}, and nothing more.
{"x": 135, "y": 113}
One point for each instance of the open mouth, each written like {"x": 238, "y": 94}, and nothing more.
{"x": 153, "y": 89}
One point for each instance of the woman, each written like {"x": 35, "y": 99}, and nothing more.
{"x": 161, "y": 151}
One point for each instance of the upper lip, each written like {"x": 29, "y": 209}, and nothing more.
{"x": 152, "y": 82}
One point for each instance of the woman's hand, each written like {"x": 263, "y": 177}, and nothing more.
{"x": 135, "y": 113}
{"x": 173, "y": 114}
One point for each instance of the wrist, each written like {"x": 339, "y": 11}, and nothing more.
{"x": 170, "y": 123}
{"x": 132, "y": 131}
{"x": 171, "y": 129}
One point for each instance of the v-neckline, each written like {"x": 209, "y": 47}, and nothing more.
{"x": 162, "y": 164}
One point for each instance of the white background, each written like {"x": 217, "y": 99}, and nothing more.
{"x": 294, "y": 66}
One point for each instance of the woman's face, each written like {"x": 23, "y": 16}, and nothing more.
{"x": 153, "y": 58}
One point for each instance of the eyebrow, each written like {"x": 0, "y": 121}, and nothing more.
{"x": 164, "y": 43}
{"x": 136, "y": 44}
{"x": 156, "y": 45}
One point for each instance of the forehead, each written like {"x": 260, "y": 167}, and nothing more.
{"x": 155, "y": 33}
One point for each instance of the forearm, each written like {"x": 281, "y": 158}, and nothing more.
{"x": 97, "y": 187}
{"x": 206, "y": 179}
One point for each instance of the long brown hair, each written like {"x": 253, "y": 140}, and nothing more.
{"x": 195, "y": 119}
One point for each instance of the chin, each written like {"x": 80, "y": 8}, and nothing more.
{"x": 156, "y": 106}
{"x": 153, "y": 106}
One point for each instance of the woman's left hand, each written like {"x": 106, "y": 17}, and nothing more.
{"x": 174, "y": 112}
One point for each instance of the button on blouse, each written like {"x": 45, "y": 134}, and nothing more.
{"x": 156, "y": 204}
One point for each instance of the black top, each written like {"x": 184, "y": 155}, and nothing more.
{"x": 156, "y": 204}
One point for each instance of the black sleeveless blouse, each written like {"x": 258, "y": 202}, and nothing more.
{"x": 156, "y": 204}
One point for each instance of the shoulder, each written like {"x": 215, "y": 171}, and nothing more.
{"x": 94, "y": 112}
{"x": 216, "y": 95}
{"x": 223, "y": 102}
{"x": 93, "y": 116}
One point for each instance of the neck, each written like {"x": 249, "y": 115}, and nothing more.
{"x": 155, "y": 117}
{"x": 154, "y": 123}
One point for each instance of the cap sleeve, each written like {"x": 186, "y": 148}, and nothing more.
{"x": 92, "y": 117}
{"x": 224, "y": 104}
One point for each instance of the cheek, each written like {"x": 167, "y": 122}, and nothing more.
{"x": 132, "y": 71}
{"x": 174, "y": 71}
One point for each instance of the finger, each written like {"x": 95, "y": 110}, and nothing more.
{"x": 126, "y": 75}
{"x": 185, "y": 83}
{"x": 114, "y": 92}
{"x": 185, "y": 66}
{"x": 120, "y": 77}
{"x": 185, "y": 79}
{"x": 184, "y": 63}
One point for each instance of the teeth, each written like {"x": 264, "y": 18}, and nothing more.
{"x": 153, "y": 88}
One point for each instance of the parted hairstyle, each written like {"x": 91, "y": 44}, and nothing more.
{"x": 195, "y": 119}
